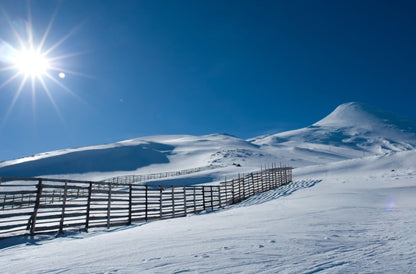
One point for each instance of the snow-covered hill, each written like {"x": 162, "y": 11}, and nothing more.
{"x": 351, "y": 208}
{"x": 352, "y": 130}
{"x": 353, "y": 216}
{"x": 138, "y": 156}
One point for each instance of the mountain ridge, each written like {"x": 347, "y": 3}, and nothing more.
{"x": 352, "y": 130}
{"x": 353, "y": 125}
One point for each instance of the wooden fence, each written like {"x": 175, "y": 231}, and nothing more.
{"x": 39, "y": 205}
{"x": 131, "y": 179}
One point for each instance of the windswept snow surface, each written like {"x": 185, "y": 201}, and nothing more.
{"x": 353, "y": 216}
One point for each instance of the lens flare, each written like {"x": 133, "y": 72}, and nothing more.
{"x": 391, "y": 204}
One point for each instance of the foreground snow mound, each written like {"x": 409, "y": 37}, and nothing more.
{"x": 351, "y": 130}
{"x": 356, "y": 216}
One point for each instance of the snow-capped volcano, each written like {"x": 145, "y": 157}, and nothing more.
{"x": 352, "y": 130}
{"x": 360, "y": 115}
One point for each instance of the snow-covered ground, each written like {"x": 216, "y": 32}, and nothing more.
{"x": 350, "y": 209}
{"x": 354, "y": 216}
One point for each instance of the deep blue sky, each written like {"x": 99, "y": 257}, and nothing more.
{"x": 198, "y": 67}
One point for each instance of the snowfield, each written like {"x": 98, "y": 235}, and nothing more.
{"x": 350, "y": 209}
{"x": 356, "y": 216}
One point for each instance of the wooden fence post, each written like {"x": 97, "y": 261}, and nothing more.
{"x": 212, "y": 198}
{"x": 146, "y": 204}
{"x": 130, "y": 203}
{"x": 194, "y": 192}
{"x": 261, "y": 181}
{"x": 161, "y": 208}
{"x": 109, "y": 206}
{"x": 203, "y": 197}
{"x": 274, "y": 176}
{"x": 173, "y": 202}
{"x": 266, "y": 187}
{"x": 258, "y": 183}
{"x": 61, "y": 223}
{"x": 232, "y": 191}
{"x": 87, "y": 220}
{"x": 269, "y": 179}
{"x": 266, "y": 180}
{"x": 285, "y": 170}
{"x": 184, "y": 201}
{"x": 287, "y": 175}
{"x": 239, "y": 188}
{"x": 244, "y": 187}
{"x": 279, "y": 177}
{"x": 32, "y": 220}
{"x": 226, "y": 192}
{"x": 219, "y": 196}
{"x": 252, "y": 182}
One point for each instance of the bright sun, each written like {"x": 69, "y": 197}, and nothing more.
{"x": 31, "y": 63}
{"x": 34, "y": 63}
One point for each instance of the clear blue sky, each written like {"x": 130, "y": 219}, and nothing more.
{"x": 198, "y": 67}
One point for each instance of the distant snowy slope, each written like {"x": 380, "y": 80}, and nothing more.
{"x": 351, "y": 130}
{"x": 136, "y": 156}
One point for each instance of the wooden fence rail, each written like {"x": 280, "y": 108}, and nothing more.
{"x": 40, "y": 205}
{"x": 130, "y": 179}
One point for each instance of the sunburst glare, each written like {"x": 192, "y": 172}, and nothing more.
{"x": 32, "y": 64}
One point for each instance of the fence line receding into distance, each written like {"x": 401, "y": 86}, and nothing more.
{"x": 39, "y": 205}
{"x": 131, "y": 179}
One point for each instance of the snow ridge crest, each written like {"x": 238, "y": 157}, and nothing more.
{"x": 360, "y": 115}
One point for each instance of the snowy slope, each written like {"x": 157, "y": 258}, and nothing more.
{"x": 138, "y": 156}
{"x": 351, "y": 208}
{"x": 352, "y": 130}
{"x": 354, "y": 216}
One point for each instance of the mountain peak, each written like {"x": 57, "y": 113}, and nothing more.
{"x": 353, "y": 128}
{"x": 361, "y": 115}
{"x": 352, "y": 114}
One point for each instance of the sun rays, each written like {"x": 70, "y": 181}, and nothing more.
{"x": 37, "y": 67}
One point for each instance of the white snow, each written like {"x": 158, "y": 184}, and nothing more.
{"x": 352, "y": 216}
{"x": 350, "y": 209}
{"x": 352, "y": 130}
